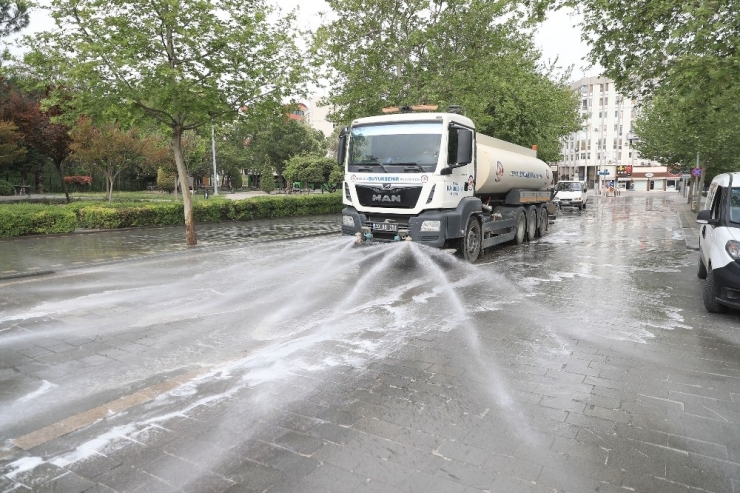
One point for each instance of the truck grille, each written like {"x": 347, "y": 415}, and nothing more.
{"x": 402, "y": 198}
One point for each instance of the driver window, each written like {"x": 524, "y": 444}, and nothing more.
{"x": 717, "y": 203}
{"x": 452, "y": 146}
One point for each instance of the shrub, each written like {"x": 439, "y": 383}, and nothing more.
{"x": 22, "y": 220}
{"x": 267, "y": 184}
{"x": 19, "y": 219}
{"x": 6, "y": 188}
{"x": 236, "y": 179}
{"x": 165, "y": 180}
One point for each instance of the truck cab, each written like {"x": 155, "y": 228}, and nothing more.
{"x": 719, "y": 244}
{"x": 432, "y": 179}
{"x": 573, "y": 194}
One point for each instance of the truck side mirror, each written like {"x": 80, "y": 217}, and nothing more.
{"x": 464, "y": 146}
{"x": 342, "y": 147}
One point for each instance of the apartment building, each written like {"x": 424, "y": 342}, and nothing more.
{"x": 316, "y": 116}
{"x": 602, "y": 150}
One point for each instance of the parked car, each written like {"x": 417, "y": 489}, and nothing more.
{"x": 719, "y": 244}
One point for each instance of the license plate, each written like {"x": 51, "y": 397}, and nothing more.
{"x": 385, "y": 227}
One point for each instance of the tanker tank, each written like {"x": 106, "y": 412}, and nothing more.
{"x": 503, "y": 166}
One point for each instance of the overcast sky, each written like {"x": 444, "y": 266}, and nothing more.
{"x": 559, "y": 36}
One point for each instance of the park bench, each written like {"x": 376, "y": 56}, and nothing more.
{"x": 22, "y": 189}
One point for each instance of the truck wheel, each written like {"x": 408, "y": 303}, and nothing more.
{"x": 531, "y": 223}
{"x": 521, "y": 228}
{"x": 702, "y": 272}
{"x": 544, "y": 221}
{"x": 710, "y": 300}
{"x": 469, "y": 246}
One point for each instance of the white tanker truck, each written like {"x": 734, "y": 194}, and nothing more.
{"x": 430, "y": 178}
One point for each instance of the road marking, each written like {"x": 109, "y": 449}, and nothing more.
{"x": 86, "y": 418}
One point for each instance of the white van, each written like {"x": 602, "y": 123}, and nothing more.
{"x": 719, "y": 244}
{"x": 571, "y": 194}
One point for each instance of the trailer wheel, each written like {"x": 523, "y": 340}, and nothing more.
{"x": 544, "y": 221}
{"x": 521, "y": 227}
{"x": 469, "y": 246}
{"x": 532, "y": 218}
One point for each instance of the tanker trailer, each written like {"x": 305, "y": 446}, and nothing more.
{"x": 430, "y": 178}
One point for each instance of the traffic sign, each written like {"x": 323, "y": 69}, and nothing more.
{"x": 696, "y": 172}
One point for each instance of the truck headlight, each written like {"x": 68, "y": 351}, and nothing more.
{"x": 430, "y": 226}
{"x": 733, "y": 248}
{"x": 348, "y": 221}
{"x": 346, "y": 192}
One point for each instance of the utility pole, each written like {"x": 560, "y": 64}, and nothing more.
{"x": 213, "y": 149}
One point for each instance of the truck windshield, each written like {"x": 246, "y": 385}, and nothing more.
{"x": 395, "y": 148}
{"x": 735, "y": 205}
{"x": 569, "y": 186}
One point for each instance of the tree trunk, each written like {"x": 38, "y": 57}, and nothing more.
{"x": 39, "y": 185}
{"x": 109, "y": 179}
{"x": 58, "y": 166}
{"x": 700, "y": 190}
{"x": 187, "y": 204}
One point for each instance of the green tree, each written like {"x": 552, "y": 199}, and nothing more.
{"x": 277, "y": 140}
{"x": 643, "y": 43}
{"x": 307, "y": 168}
{"x": 472, "y": 53}
{"x": 181, "y": 64}
{"x": 674, "y": 129}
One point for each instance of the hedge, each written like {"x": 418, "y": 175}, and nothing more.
{"x": 27, "y": 219}
{"x": 35, "y": 220}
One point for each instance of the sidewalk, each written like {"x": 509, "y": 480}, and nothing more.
{"x": 690, "y": 227}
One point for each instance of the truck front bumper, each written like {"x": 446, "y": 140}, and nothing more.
{"x": 428, "y": 228}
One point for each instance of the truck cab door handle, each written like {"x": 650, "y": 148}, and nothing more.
{"x": 704, "y": 231}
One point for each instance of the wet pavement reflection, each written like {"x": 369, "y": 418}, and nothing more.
{"x": 28, "y": 254}
{"x": 583, "y": 361}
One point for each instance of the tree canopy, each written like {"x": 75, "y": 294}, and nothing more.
{"x": 181, "y": 64}
{"x": 643, "y": 44}
{"x": 275, "y": 141}
{"x": 13, "y": 16}
{"x": 473, "y": 53}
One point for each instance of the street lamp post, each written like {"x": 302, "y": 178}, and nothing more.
{"x": 632, "y": 138}
{"x": 213, "y": 149}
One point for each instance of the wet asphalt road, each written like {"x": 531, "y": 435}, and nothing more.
{"x": 584, "y": 361}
